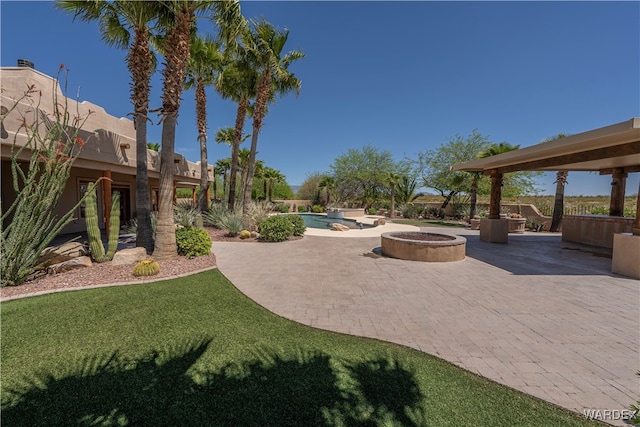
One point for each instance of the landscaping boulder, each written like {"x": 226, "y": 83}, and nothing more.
{"x": 380, "y": 221}
{"x": 65, "y": 252}
{"x": 71, "y": 264}
{"x": 129, "y": 256}
{"x": 339, "y": 227}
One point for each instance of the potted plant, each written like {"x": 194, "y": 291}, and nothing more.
{"x": 516, "y": 223}
{"x": 475, "y": 221}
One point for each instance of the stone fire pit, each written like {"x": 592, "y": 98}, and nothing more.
{"x": 423, "y": 246}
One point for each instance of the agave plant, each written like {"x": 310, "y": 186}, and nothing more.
{"x": 184, "y": 214}
{"x": 213, "y": 216}
{"x": 234, "y": 223}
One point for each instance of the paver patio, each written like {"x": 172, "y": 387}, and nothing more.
{"x": 540, "y": 315}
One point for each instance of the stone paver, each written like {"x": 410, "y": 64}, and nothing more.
{"x": 540, "y": 315}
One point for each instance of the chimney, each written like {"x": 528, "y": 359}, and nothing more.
{"x": 25, "y": 63}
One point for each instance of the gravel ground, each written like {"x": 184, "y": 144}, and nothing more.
{"x": 107, "y": 273}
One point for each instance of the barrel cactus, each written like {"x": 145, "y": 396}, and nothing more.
{"x": 147, "y": 267}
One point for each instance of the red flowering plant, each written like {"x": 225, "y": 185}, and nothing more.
{"x": 44, "y": 148}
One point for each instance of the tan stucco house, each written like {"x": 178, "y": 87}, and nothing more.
{"x": 109, "y": 150}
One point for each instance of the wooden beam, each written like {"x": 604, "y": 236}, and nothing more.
{"x": 628, "y": 169}
{"x": 627, "y": 149}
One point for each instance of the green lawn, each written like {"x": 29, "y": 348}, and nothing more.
{"x": 195, "y": 351}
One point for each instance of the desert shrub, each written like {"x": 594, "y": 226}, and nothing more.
{"x": 131, "y": 227}
{"x": 245, "y": 234}
{"x": 409, "y": 211}
{"x": 184, "y": 214}
{"x": 234, "y": 223}
{"x": 599, "y": 210}
{"x": 302, "y": 208}
{"x": 282, "y": 207}
{"x": 258, "y": 212}
{"x": 215, "y": 214}
{"x": 460, "y": 206}
{"x": 276, "y": 228}
{"x": 193, "y": 241}
{"x": 298, "y": 224}
{"x": 317, "y": 209}
{"x": 147, "y": 267}
{"x": 432, "y": 211}
{"x": 372, "y": 211}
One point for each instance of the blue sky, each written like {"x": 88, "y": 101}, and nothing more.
{"x": 401, "y": 76}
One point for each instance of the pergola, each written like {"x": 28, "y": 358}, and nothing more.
{"x": 612, "y": 150}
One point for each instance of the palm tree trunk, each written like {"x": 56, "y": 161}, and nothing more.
{"x": 177, "y": 46}
{"x": 201, "y": 114}
{"x": 204, "y": 174}
{"x": 558, "y": 204}
{"x": 393, "y": 202}
{"x": 139, "y": 64}
{"x": 262, "y": 96}
{"x": 165, "y": 228}
{"x": 246, "y": 200}
{"x": 144, "y": 233}
{"x": 474, "y": 196}
{"x": 235, "y": 149}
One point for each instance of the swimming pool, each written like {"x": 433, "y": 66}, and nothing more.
{"x": 322, "y": 222}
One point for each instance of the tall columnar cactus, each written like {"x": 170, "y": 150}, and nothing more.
{"x": 95, "y": 239}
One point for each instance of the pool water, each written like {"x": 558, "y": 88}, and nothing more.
{"x": 322, "y": 222}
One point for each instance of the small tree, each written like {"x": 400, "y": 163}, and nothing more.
{"x": 30, "y": 223}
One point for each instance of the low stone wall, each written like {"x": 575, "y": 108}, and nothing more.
{"x": 595, "y": 230}
{"x": 527, "y": 211}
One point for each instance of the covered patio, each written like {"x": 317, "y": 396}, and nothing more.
{"x": 612, "y": 150}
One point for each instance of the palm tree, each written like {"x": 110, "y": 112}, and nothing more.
{"x": 179, "y": 21}
{"x": 237, "y": 82}
{"x": 328, "y": 182}
{"x": 227, "y": 135}
{"x": 392, "y": 179}
{"x": 128, "y": 25}
{"x": 222, "y": 168}
{"x": 491, "y": 150}
{"x": 265, "y": 45}
{"x": 259, "y": 173}
{"x": 406, "y": 191}
{"x": 205, "y": 61}
{"x": 272, "y": 176}
{"x": 558, "y": 203}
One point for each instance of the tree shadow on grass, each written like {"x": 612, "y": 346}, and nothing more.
{"x": 170, "y": 388}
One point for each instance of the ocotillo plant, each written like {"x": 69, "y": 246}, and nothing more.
{"x": 30, "y": 223}
{"x": 95, "y": 240}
